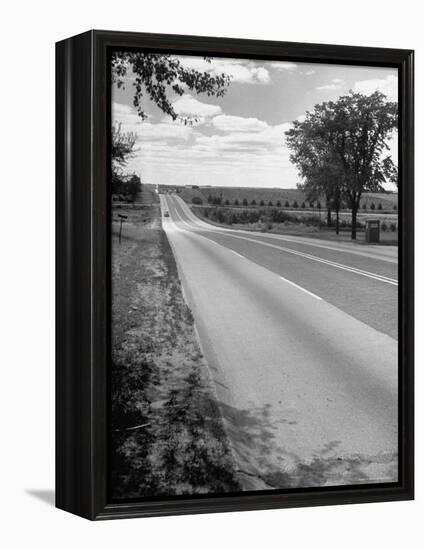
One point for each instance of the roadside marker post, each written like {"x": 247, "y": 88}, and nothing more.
{"x": 121, "y": 221}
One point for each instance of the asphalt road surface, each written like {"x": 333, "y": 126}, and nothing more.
{"x": 300, "y": 336}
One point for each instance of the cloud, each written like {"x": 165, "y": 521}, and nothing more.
{"x": 260, "y": 74}
{"x": 329, "y": 87}
{"x": 229, "y": 123}
{"x": 245, "y": 72}
{"x": 265, "y": 141}
{"x": 388, "y": 86}
{"x": 146, "y": 131}
{"x": 335, "y": 84}
{"x": 189, "y": 106}
{"x": 164, "y": 131}
{"x": 283, "y": 65}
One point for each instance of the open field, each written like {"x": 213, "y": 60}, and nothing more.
{"x": 387, "y": 237}
{"x": 388, "y": 201}
{"x": 167, "y": 432}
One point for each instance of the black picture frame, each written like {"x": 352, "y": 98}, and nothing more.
{"x": 82, "y": 287}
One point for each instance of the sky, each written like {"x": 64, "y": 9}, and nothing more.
{"x": 239, "y": 138}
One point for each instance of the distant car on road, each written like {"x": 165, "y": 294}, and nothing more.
{"x": 166, "y": 214}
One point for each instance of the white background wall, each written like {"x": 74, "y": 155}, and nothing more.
{"x": 28, "y": 32}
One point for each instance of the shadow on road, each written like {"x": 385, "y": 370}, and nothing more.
{"x": 264, "y": 462}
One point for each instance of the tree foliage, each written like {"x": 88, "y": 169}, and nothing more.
{"x": 159, "y": 77}
{"x": 122, "y": 147}
{"x": 340, "y": 149}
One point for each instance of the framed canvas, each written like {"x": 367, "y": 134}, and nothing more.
{"x": 234, "y": 274}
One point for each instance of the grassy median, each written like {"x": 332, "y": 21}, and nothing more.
{"x": 167, "y": 432}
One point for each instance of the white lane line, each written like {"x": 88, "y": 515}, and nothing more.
{"x": 381, "y": 278}
{"x": 301, "y": 288}
{"x": 236, "y": 253}
{"x": 244, "y": 257}
{"x": 190, "y": 230}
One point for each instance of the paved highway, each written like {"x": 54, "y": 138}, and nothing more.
{"x": 300, "y": 336}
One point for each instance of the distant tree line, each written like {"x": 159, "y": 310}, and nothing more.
{"x": 219, "y": 201}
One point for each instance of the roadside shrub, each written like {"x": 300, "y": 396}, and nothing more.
{"x": 295, "y": 205}
{"x": 384, "y": 226}
{"x": 236, "y": 202}
{"x": 127, "y": 186}
{"x": 210, "y": 199}
{"x": 311, "y": 204}
{"x": 227, "y": 202}
{"x": 380, "y": 206}
{"x": 197, "y": 200}
{"x": 303, "y": 204}
{"x": 253, "y": 203}
{"x": 279, "y": 204}
{"x": 319, "y": 205}
{"x": 287, "y": 204}
{"x": 245, "y": 203}
{"x": 364, "y": 206}
{"x": 395, "y": 207}
{"x": 270, "y": 203}
{"x": 392, "y": 226}
{"x": 372, "y": 206}
{"x": 262, "y": 203}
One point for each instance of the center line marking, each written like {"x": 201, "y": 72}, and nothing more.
{"x": 357, "y": 271}
{"x": 301, "y": 288}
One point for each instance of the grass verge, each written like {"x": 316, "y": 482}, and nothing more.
{"x": 167, "y": 432}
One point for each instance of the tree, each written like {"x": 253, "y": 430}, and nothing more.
{"x": 295, "y": 205}
{"x": 270, "y": 203}
{"x": 245, "y": 203}
{"x": 380, "y": 206}
{"x": 365, "y": 122}
{"x": 127, "y": 186}
{"x": 236, "y": 202}
{"x": 121, "y": 150}
{"x": 161, "y": 76}
{"x": 303, "y": 205}
{"x": 287, "y": 204}
{"x": 279, "y": 203}
{"x": 253, "y": 203}
{"x": 339, "y": 149}
{"x": 262, "y": 203}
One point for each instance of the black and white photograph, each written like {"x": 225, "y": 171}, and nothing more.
{"x": 254, "y": 275}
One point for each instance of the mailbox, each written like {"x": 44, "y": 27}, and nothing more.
{"x": 372, "y": 231}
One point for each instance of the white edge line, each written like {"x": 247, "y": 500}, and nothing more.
{"x": 301, "y": 288}
{"x": 236, "y": 253}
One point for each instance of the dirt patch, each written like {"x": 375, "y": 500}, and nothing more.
{"x": 167, "y": 432}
